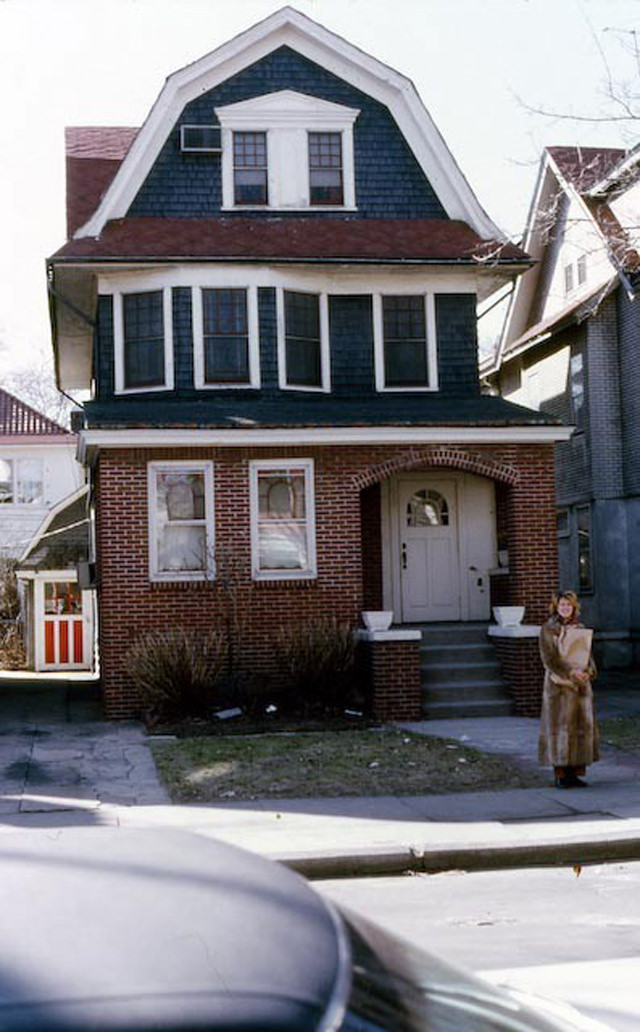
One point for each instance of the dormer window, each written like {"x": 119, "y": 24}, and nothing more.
{"x": 250, "y": 170}
{"x": 287, "y": 151}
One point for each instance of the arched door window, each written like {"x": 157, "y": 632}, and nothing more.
{"x": 427, "y": 508}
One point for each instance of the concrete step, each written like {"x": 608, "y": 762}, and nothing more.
{"x": 454, "y": 634}
{"x": 452, "y": 673}
{"x": 464, "y": 709}
{"x": 470, "y": 690}
{"x": 467, "y": 652}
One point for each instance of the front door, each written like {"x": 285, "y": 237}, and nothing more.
{"x": 429, "y": 555}
{"x": 65, "y": 640}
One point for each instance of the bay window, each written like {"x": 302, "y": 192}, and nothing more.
{"x": 404, "y": 342}
{"x": 303, "y": 340}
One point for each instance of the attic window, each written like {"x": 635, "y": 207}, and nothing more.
{"x": 287, "y": 151}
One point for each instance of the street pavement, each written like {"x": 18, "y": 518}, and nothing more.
{"x": 61, "y": 766}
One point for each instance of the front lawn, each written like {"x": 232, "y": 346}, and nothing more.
{"x": 367, "y": 762}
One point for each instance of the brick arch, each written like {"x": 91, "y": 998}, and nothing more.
{"x": 439, "y": 455}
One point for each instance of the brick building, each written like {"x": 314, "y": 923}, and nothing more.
{"x": 570, "y": 349}
{"x": 271, "y": 289}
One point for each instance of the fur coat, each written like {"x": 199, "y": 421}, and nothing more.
{"x": 568, "y": 728}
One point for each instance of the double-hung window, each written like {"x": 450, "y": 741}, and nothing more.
{"x": 226, "y": 337}
{"x": 21, "y": 482}
{"x": 303, "y": 340}
{"x": 282, "y": 520}
{"x": 325, "y": 169}
{"x": 576, "y": 382}
{"x": 142, "y": 330}
{"x": 250, "y": 168}
{"x": 180, "y": 520}
{"x": 405, "y": 346}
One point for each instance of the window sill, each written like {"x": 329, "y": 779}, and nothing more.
{"x": 306, "y": 581}
{"x": 181, "y": 584}
{"x": 298, "y": 210}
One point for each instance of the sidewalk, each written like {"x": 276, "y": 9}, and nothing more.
{"x": 81, "y": 772}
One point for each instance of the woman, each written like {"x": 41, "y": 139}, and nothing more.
{"x": 568, "y": 729}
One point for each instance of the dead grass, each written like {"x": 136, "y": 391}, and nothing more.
{"x": 621, "y": 733}
{"x": 364, "y": 762}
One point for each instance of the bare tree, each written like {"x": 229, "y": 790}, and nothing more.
{"x": 35, "y": 384}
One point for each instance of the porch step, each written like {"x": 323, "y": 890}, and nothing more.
{"x": 460, "y": 673}
{"x": 465, "y": 710}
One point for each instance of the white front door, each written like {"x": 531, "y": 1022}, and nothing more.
{"x": 429, "y": 554}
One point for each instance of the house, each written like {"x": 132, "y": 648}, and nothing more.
{"x": 271, "y": 289}
{"x": 39, "y": 479}
{"x": 570, "y": 348}
{"x": 38, "y": 468}
{"x": 58, "y": 603}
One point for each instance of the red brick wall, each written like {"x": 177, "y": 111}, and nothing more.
{"x": 130, "y": 604}
{"x": 522, "y": 670}
{"x": 394, "y": 679}
{"x": 371, "y": 548}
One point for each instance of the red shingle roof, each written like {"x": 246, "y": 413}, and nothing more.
{"x": 302, "y": 239}
{"x": 19, "y": 419}
{"x": 583, "y": 167}
{"x": 94, "y": 155}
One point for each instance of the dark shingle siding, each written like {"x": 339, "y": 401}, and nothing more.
{"x": 456, "y": 332}
{"x": 182, "y": 339}
{"x": 389, "y": 181}
{"x": 351, "y": 333}
{"x": 104, "y": 362}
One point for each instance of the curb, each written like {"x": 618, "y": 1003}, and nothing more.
{"x": 381, "y": 861}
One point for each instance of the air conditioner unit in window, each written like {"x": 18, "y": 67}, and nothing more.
{"x": 201, "y": 139}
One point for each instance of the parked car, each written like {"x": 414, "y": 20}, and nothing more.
{"x": 108, "y": 928}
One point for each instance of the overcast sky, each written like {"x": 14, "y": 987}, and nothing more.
{"x": 483, "y": 70}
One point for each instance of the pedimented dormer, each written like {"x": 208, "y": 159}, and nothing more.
{"x": 287, "y": 150}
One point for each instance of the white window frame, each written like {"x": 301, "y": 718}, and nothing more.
{"x": 142, "y": 287}
{"x": 431, "y": 344}
{"x": 251, "y": 291}
{"x": 174, "y": 466}
{"x": 325, "y": 352}
{"x": 258, "y": 466}
{"x": 287, "y": 116}
{"x": 15, "y": 460}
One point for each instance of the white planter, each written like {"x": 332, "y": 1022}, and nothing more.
{"x": 377, "y": 619}
{"x": 508, "y": 616}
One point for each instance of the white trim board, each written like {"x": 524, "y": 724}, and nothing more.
{"x": 91, "y": 440}
{"x": 288, "y": 27}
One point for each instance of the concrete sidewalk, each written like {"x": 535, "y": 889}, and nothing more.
{"x": 72, "y": 771}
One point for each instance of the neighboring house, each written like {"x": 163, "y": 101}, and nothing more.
{"x": 58, "y": 607}
{"x": 271, "y": 290}
{"x": 38, "y": 468}
{"x": 570, "y": 349}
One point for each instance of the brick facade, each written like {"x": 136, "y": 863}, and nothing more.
{"x": 522, "y": 670}
{"x": 347, "y": 545}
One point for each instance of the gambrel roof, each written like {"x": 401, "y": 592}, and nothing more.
{"x": 287, "y": 27}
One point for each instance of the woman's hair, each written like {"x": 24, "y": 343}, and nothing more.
{"x": 570, "y": 596}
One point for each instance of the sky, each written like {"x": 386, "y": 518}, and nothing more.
{"x": 487, "y": 72}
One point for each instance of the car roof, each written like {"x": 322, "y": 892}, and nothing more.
{"x": 123, "y": 928}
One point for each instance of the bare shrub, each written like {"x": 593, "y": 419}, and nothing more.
{"x": 177, "y": 672}
{"x": 316, "y": 666}
{"x": 9, "y": 597}
{"x": 12, "y": 651}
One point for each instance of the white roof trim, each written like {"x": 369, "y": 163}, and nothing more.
{"x": 284, "y": 107}
{"x": 57, "y": 508}
{"x": 320, "y": 436}
{"x": 289, "y": 27}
